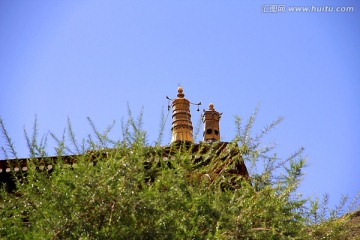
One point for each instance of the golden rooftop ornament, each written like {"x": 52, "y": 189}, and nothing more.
{"x": 181, "y": 128}
{"x": 211, "y": 119}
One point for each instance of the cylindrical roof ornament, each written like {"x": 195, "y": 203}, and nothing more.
{"x": 211, "y": 119}
{"x": 181, "y": 128}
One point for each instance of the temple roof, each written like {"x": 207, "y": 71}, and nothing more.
{"x": 227, "y": 155}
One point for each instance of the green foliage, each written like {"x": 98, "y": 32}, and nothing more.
{"x": 135, "y": 193}
{"x": 9, "y": 144}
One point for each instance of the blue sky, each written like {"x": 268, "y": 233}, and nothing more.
{"x": 75, "y": 59}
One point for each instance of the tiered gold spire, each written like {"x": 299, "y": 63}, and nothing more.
{"x": 182, "y": 129}
{"x": 211, "y": 119}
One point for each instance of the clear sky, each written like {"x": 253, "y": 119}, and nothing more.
{"x": 80, "y": 58}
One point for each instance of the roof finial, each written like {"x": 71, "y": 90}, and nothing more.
{"x": 211, "y": 119}
{"x": 180, "y": 92}
{"x": 181, "y": 118}
{"x": 211, "y": 107}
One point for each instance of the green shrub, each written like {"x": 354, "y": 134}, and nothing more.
{"x": 114, "y": 196}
